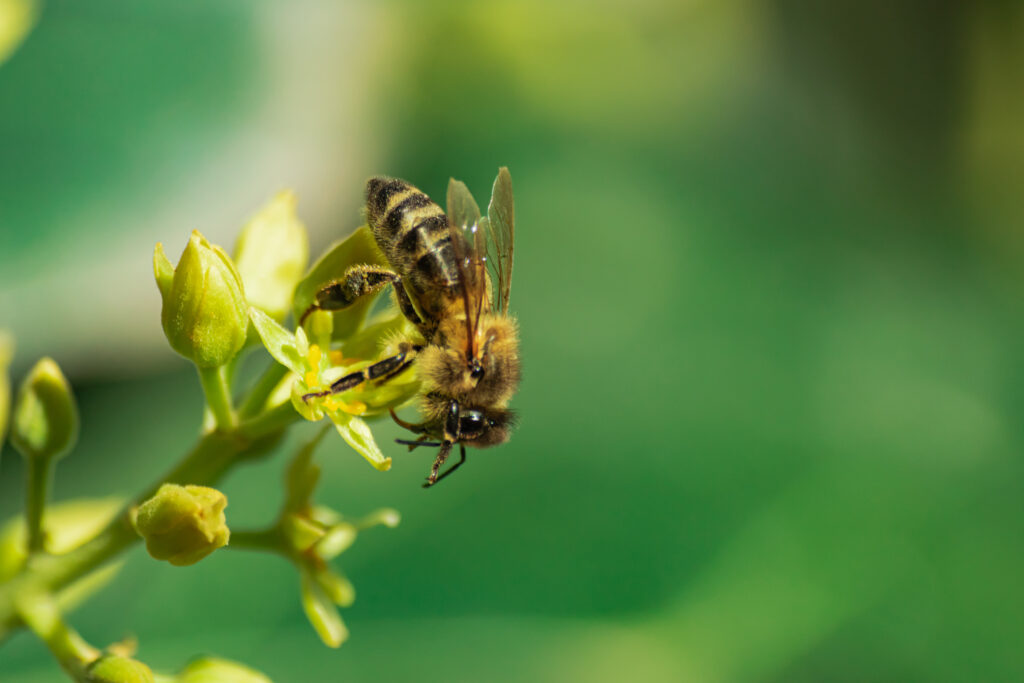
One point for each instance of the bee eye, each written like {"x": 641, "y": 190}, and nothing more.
{"x": 477, "y": 372}
{"x": 471, "y": 424}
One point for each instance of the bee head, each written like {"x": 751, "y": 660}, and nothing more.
{"x": 482, "y": 428}
{"x": 456, "y": 422}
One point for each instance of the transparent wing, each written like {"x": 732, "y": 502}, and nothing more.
{"x": 469, "y": 243}
{"x": 462, "y": 208}
{"x": 501, "y": 232}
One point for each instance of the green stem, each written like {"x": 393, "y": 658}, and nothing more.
{"x": 40, "y": 613}
{"x": 212, "y": 456}
{"x": 271, "y": 421}
{"x": 262, "y": 390}
{"x": 39, "y": 469}
{"x": 218, "y": 396}
{"x": 265, "y": 540}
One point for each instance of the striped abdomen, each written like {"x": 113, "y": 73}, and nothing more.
{"x": 412, "y": 231}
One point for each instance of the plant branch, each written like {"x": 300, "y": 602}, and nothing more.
{"x": 209, "y": 460}
{"x": 263, "y": 540}
{"x": 40, "y": 613}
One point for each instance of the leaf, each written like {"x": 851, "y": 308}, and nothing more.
{"x": 358, "y": 435}
{"x": 359, "y": 248}
{"x": 279, "y": 342}
{"x": 321, "y": 612}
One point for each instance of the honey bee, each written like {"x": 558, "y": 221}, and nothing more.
{"x": 452, "y": 275}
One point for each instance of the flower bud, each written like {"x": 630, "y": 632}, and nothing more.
{"x": 271, "y": 255}
{"x": 45, "y": 420}
{"x": 205, "y": 315}
{"x": 213, "y": 670}
{"x": 117, "y": 669}
{"x": 183, "y": 524}
{"x": 6, "y": 351}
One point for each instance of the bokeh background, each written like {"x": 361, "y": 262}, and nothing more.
{"x": 769, "y": 274}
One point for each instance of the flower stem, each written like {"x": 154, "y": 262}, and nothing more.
{"x": 39, "y": 612}
{"x": 267, "y": 540}
{"x": 39, "y": 469}
{"x": 212, "y": 457}
{"x": 218, "y": 396}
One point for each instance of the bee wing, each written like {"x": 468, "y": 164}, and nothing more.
{"x": 500, "y": 226}
{"x": 462, "y": 208}
{"x": 469, "y": 241}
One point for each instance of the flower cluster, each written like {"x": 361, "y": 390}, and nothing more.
{"x": 216, "y": 309}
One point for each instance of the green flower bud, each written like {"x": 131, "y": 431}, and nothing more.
{"x": 271, "y": 255}
{"x": 213, "y": 670}
{"x": 116, "y": 669}
{"x": 6, "y": 351}
{"x": 45, "y": 420}
{"x": 205, "y": 314}
{"x": 183, "y": 524}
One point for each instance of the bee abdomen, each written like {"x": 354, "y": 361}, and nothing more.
{"x": 436, "y": 268}
{"x": 425, "y": 235}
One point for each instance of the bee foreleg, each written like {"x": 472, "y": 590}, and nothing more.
{"x": 462, "y": 459}
{"x": 358, "y": 281}
{"x": 406, "y": 306}
{"x": 442, "y": 455}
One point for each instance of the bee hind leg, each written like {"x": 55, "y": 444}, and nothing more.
{"x": 357, "y": 282}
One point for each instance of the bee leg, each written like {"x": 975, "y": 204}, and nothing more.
{"x": 405, "y": 305}
{"x": 387, "y": 368}
{"x": 442, "y": 455}
{"x": 358, "y": 281}
{"x": 414, "y": 428}
{"x": 407, "y": 355}
{"x": 462, "y": 459}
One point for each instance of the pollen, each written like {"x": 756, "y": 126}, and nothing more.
{"x": 351, "y": 407}
{"x": 314, "y": 356}
{"x": 312, "y": 377}
{"x": 336, "y": 357}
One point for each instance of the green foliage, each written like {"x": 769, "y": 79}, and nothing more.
{"x": 271, "y": 256}
{"x": 206, "y": 314}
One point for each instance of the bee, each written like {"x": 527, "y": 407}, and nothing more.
{"x": 451, "y": 274}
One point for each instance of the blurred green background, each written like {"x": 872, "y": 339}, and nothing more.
{"x": 769, "y": 274}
